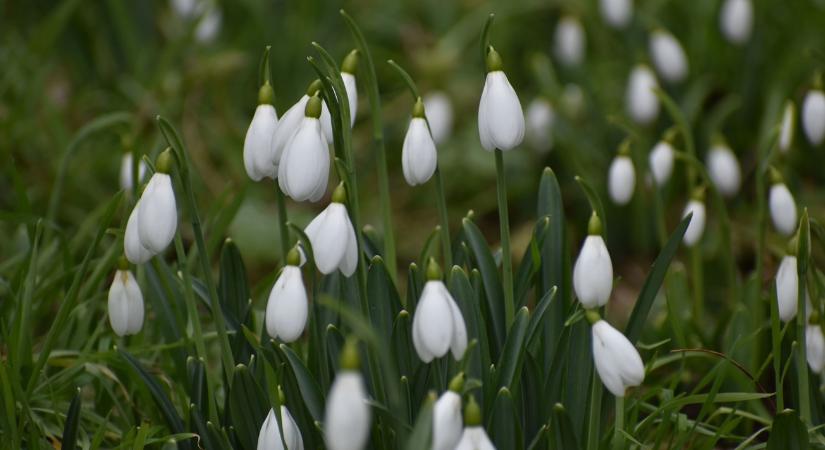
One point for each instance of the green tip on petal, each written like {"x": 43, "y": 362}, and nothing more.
{"x": 123, "y": 263}
{"x": 775, "y": 175}
{"x": 433, "y": 270}
{"x": 418, "y": 108}
{"x": 164, "y": 162}
{"x": 339, "y": 195}
{"x": 266, "y": 95}
{"x": 314, "y": 87}
{"x": 594, "y": 226}
{"x": 313, "y": 108}
{"x": 281, "y": 396}
{"x": 592, "y": 316}
{"x": 624, "y": 147}
{"x": 457, "y": 383}
{"x": 670, "y": 135}
{"x": 293, "y": 258}
{"x": 472, "y": 413}
{"x": 493, "y": 60}
{"x": 698, "y": 194}
{"x": 349, "y": 355}
{"x": 814, "y": 319}
{"x": 350, "y": 64}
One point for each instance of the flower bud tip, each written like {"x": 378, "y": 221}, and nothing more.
{"x": 313, "y": 108}
{"x": 433, "y": 270}
{"x": 293, "y": 257}
{"x": 472, "y": 413}
{"x": 594, "y": 226}
{"x": 350, "y": 63}
{"x": 493, "y": 60}
{"x": 418, "y": 108}
{"x": 339, "y": 195}
{"x": 349, "y": 355}
{"x": 457, "y": 383}
{"x": 164, "y": 162}
{"x": 266, "y": 95}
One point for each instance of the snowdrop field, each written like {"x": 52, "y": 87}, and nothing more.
{"x": 470, "y": 225}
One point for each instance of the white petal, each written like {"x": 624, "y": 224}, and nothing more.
{"x": 287, "y": 308}
{"x": 258, "y": 148}
{"x": 134, "y": 250}
{"x": 475, "y": 438}
{"x": 447, "y": 421}
{"x": 135, "y": 303}
{"x": 350, "y": 260}
{"x": 736, "y": 20}
{"x": 813, "y": 116}
{"x": 352, "y": 95}
{"x": 439, "y": 114}
{"x": 347, "y": 416}
{"x": 288, "y": 125}
{"x": 815, "y": 347}
{"x": 723, "y": 169}
{"x": 593, "y": 273}
{"x": 418, "y": 154}
{"x": 269, "y": 438}
{"x": 118, "y": 304}
{"x": 617, "y": 13}
{"x": 500, "y": 114}
{"x": 329, "y": 237}
{"x": 306, "y": 155}
{"x": 458, "y": 343}
{"x": 158, "y": 218}
{"x": 787, "y": 285}
{"x": 292, "y": 434}
{"x": 642, "y": 103}
{"x": 787, "y": 129}
{"x": 783, "y": 209}
{"x": 433, "y": 321}
{"x": 697, "y": 223}
{"x": 569, "y": 41}
{"x": 617, "y": 360}
{"x": 126, "y": 171}
{"x": 621, "y": 179}
{"x": 539, "y": 122}
{"x": 661, "y": 162}
{"x": 668, "y": 56}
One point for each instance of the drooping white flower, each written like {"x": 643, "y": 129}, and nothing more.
{"x": 616, "y": 13}
{"x": 126, "y": 182}
{"x": 593, "y": 271}
{"x": 539, "y": 124}
{"x": 787, "y": 285}
{"x": 348, "y": 68}
{"x": 569, "y": 41}
{"x": 209, "y": 23}
{"x": 668, "y": 56}
{"x": 697, "y": 223}
{"x": 418, "y": 154}
{"x": 347, "y": 415}
{"x": 258, "y": 148}
{"x": 783, "y": 208}
{"x": 269, "y": 438}
{"x": 439, "y": 114}
{"x": 736, "y": 20}
{"x": 334, "y": 245}
{"x": 125, "y": 303}
{"x": 813, "y": 116}
{"x": 158, "y": 216}
{"x": 438, "y": 325}
{"x": 621, "y": 179}
{"x": 787, "y": 128}
{"x": 642, "y": 103}
{"x": 287, "y": 308}
{"x": 500, "y": 118}
{"x": 303, "y": 171}
{"x": 661, "y": 162}
{"x": 474, "y": 437}
{"x": 723, "y": 169}
{"x": 815, "y": 347}
{"x": 134, "y": 250}
{"x": 617, "y": 360}
{"x": 447, "y": 421}
{"x": 291, "y": 121}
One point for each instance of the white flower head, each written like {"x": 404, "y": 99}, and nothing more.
{"x": 348, "y": 68}
{"x": 158, "y": 215}
{"x": 642, "y": 103}
{"x": 438, "y": 325}
{"x": 334, "y": 244}
{"x": 621, "y": 178}
{"x": 696, "y": 227}
{"x": 668, "y": 56}
{"x": 439, "y": 114}
{"x": 500, "y": 118}
{"x": 258, "y": 146}
{"x": 539, "y": 124}
{"x": 616, "y": 13}
{"x": 287, "y": 308}
{"x": 126, "y": 163}
{"x": 815, "y": 347}
{"x": 474, "y": 437}
{"x": 782, "y": 207}
{"x": 134, "y": 250}
{"x": 617, "y": 360}
{"x": 788, "y": 125}
{"x": 723, "y": 169}
{"x": 447, "y": 420}
{"x": 347, "y": 416}
{"x": 661, "y": 162}
{"x": 569, "y": 41}
{"x": 787, "y": 285}
{"x": 418, "y": 154}
{"x": 303, "y": 171}
{"x": 736, "y": 20}
{"x": 269, "y": 438}
{"x": 125, "y": 303}
{"x": 593, "y": 271}
{"x": 813, "y": 116}
{"x": 291, "y": 121}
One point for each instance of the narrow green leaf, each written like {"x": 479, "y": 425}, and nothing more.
{"x": 385, "y": 303}
{"x": 562, "y": 436}
{"x": 512, "y": 355}
{"x": 537, "y": 316}
{"x": 248, "y": 407}
{"x": 310, "y": 392}
{"x": 421, "y": 435}
{"x": 69, "y": 440}
{"x": 505, "y": 429}
{"x": 494, "y": 310}
{"x": 788, "y": 432}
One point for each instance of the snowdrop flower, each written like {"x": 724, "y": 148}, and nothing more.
{"x": 616, "y": 13}
{"x": 668, "y": 56}
{"x": 782, "y": 205}
{"x": 303, "y": 171}
{"x": 642, "y": 103}
{"x": 569, "y": 41}
{"x": 286, "y": 310}
{"x": 269, "y": 437}
{"x": 621, "y": 177}
{"x": 418, "y": 154}
{"x": 661, "y": 161}
{"x": 813, "y": 116}
{"x": 696, "y": 227}
{"x": 736, "y": 20}
{"x": 815, "y": 347}
{"x": 787, "y": 285}
{"x": 539, "y": 124}
{"x": 617, "y": 360}
{"x": 334, "y": 245}
{"x": 126, "y": 162}
{"x": 723, "y": 168}
{"x": 291, "y": 121}
{"x": 447, "y": 421}
{"x": 787, "y": 128}
{"x": 474, "y": 437}
{"x": 438, "y": 325}
{"x": 125, "y": 302}
{"x": 258, "y": 152}
{"x": 184, "y": 8}
{"x": 500, "y": 119}
{"x": 348, "y": 69}
{"x": 347, "y": 415}
{"x": 134, "y": 250}
{"x": 440, "y": 115}
{"x": 209, "y": 24}
{"x": 158, "y": 215}
{"x": 593, "y": 271}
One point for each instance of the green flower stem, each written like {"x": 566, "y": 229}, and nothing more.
{"x": 803, "y": 254}
{"x": 776, "y": 344}
{"x": 441, "y": 202}
{"x": 594, "y": 411}
{"x": 618, "y": 438}
{"x": 504, "y": 223}
{"x": 661, "y": 225}
{"x": 282, "y": 223}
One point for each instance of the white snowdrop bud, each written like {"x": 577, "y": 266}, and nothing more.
{"x": 438, "y": 325}
{"x": 334, "y": 244}
{"x": 269, "y": 437}
{"x": 418, "y": 154}
{"x": 621, "y": 177}
{"x": 736, "y": 20}
{"x": 134, "y": 250}
{"x": 287, "y": 308}
{"x": 500, "y": 118}
{"x": 447, "y": 421}
{"x": 782, "y": 206}
{"x": 347, "y": 415}
{"x": 539, "y": 124}
{"x": 209, "y": 23}
{"x": 723, "y": 169}
{"x": 616, "y": 13}
{"x": 668, "y": 56}
{"x": 125, "y": 303}
{"x": 126, "y": 182}
{"x": 661, "y": 162}
{"x": 291, "y": 121}
{"x": 815, "y": 347}
{"x": 787, "y": 128}
{"x": 474, "y": 437}
{"x": 440, "y": 115}
{"x": 593, "y": 271}
{"x": 813, "y": 116}
{"x": 570, "y": 41}
{"x": 787, "y": 283}
{"x": 303, "y": 171}
{"x": 697, "y": 223}
{"x": 617, "y": 360}
{"x": 642, "y": 103}
{"x": 258, "y": 148}
{"x": 348, "y": 68}
{"x": 158, "y": 216}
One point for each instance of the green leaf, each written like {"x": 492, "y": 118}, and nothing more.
{"x": 233, "y": 288}
{"x": 494, "y": 311}
{"x": 384, "y": 301}
{"x": 405, "y": 357}
{"x": 505, "y": 429}
{"x": 530, "y": 262}
{"x": 69, "y": 440}
{"x": 310, "y": 392}
{"x": 197, "y": 386}
{"x": 788, "y": 432}
{"x": 537, "y": 316}
{"x": 248, "y": 407}
{"x": 421, "y": 435}
{"x": 462, "y": 291}
{"x": 512, "y": 356}
{"x": 562, "y": 436}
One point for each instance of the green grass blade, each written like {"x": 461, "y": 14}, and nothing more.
{"x": 69, "y": 440}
